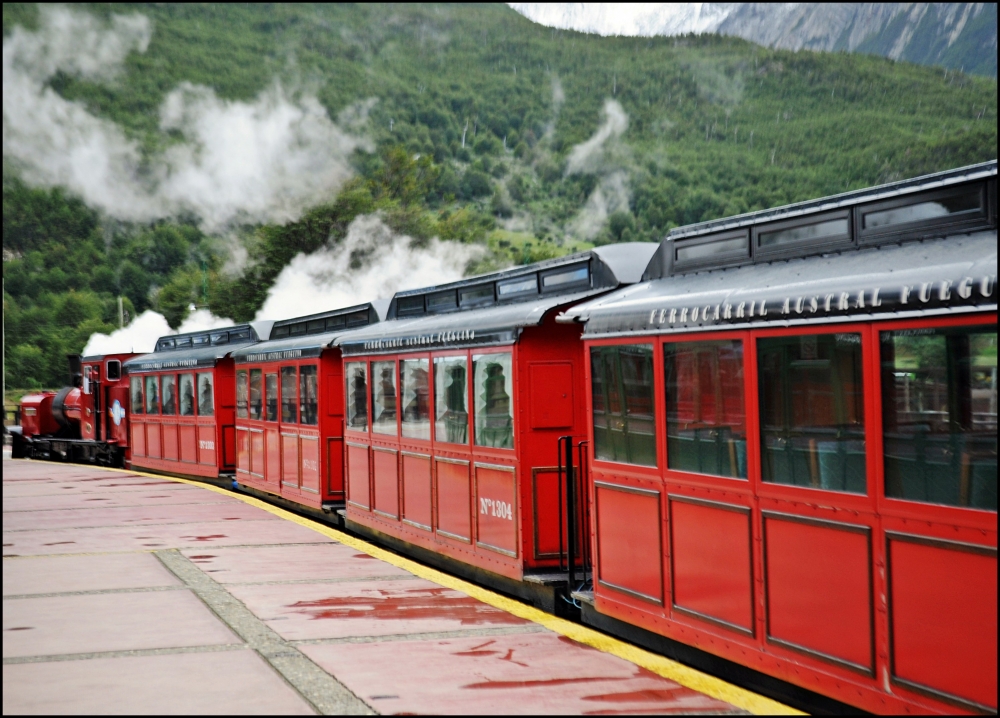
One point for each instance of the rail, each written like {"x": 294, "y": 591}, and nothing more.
{"x": 574, "y": 515}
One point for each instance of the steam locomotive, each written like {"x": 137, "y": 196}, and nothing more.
{"x": 767, "y": 443}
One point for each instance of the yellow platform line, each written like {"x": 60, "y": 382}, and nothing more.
{"x": 660, "y": 665}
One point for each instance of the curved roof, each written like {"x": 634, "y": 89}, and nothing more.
{"x": 199, "y": 349}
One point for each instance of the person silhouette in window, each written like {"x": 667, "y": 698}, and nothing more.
{"x": 359, "y": 390}
{"x": 137, "y": 399}
{"x": 456, "y": 418}
{"x": 498, "y": 429}
{"x": 418, "y": 408}
{"x": 187, "y": 398}
{"x": 206, "y": 406}
{"x": 388, "y": 413}
{"x": 168, "y": 398}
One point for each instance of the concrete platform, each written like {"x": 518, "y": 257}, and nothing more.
{"x": 125, "y": 593}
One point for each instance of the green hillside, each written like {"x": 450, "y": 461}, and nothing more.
{"x": 715, "y": 126}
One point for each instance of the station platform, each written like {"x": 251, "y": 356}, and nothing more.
{"x": 132, "y": 593}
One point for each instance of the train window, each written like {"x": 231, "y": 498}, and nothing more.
{"x": 279, "y": 332}
{"x": 270, "y": 397}
{"x": 296, "y": 330}
{"x": 308, "y": 394}
{"x": 819, "y": 230}
{"x": 812, "y": 411}
{"x": 450, "y": 393}
{"x": 336, "y": 323}
{"x": 492, "y": 390}
{"x": 135, "y": 389}
{"x": 256, "y": 404}
{"x": 720, "y": 249}
{"x": 961, "y": 202}
{"x": 169, "y": 401}
{"x": 624, "y": 420}
{"x": 357, "y": 319}
{"x": 357, "y": 395}
{"x": 220, "y": 337}
{"x": 152, "y": 395}
{"x": 476, "y": 296}
{"x": 566, "y": 277}
{"x": 206, "y": 395}
{"x": 706, "y": 421}
{"x": 442, "y": 301}
{"x": 316, "y": 325}
{"x": 518, "y": 287}
{"x": 410, "y": 306}
{"x": 242, "y": 394}
{"x": 200, "y": 341}
{"x": 187, "y": 394}
{"x": 939, "y": 415}
{"x": 240, "y": 335}
{"x": 289, "y": 395}
{"x": 164, "y": 344}
{"x": 183, "y": 342}
{"x": 113, "y": 370}
{"x": 415, "y": 391}
{"x": 384, "y": 397}
{"x": 87, "y": 372}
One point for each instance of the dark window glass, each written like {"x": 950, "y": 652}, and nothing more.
{"x": 200, "y": 341}
{"x": 442, "y": 301}
{"x": 524, "y": 285}
{"x": 710, "y": 249}
{"x": 220, "y": 338}
{"x": 622, "y": 385}
{"x": 943, "y": 207}
{"x": 706, "y": 421}
{"x": 164, "y": 344}
{"x": 830, "y": 228}
{"x": 316, "y": 325}
{"x": 576, "y": 275}
{"x": 135, "y": 388}
{"x": 308, "y": 396}
{"x": 240, "y": 335}
{"x": 450, "y": 395}
{"x": 256, "y": 394}
{"x": 357, "y": 395}
{"x": 271, "y": 397}
{"x": 475, "y": 296}
{"x": 206, "y": 395}
{"x": 289, "y": 395}
{"x": 336, "y": 323}
{"x": 114, "y": 370}
{"x": 493, "y": 389}
{"x": 407, "y": 306}
{"x": 384, "y": 397}
{"x": 297, "y": 329}
{"x": 183, "y": 342}
{"x": 357, "y": 319}
{"x": 939, "y": 415}
{"x": 242, "y": 394}
{"x": 415, "y": 390}
{"x": 152, "y": 395}
{"x": 812, "y": 411}
{"x": 169, "y": 395}
{"x": 279, "y": 332}
{"x": 187, "y": 394}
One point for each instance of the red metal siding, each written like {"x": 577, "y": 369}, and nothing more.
{"x": 629, "y": 540}
{"x": 496, "y": 507}
{"x": 386, "y": 465}
{"x": 453, "y": 498}
{"x": 417, "y": 490}
{"x": 358, "y": 491}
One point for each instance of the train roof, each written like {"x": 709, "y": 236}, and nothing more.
{"x": 308, "y": 336}
{"x": 492, "y": 308}
{"x": 199, "y": 349}
{"x": 920, "y": 247}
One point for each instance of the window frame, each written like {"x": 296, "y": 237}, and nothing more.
{"x": 931, "y": 227}
{"x": 430, "y": 399}
{"x": 385, "y": 359}
{"x": 473, "y": 352}
{"x": 282, "y": 371}
{"x": 470, "y": 428}
{"x": 367, "y": 431}
{"x": 194, "y": 389}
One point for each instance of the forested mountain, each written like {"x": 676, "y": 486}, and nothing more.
{"x": 134, "y": 138}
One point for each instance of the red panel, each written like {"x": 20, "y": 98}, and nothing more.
{"x": 310, "y": 463}
{"x": 710, "y": 549}
{"x": 335, "y": 466}
{"x": 189, "y": 443}
{"x": 290, "y": 459}
{"x": 944, "y": 619}
{"x": 242, "y": 450}
{"x": 170, "y": 442}
{"x": 548, "y": 500}
{"x": 386, "y": 482}
{"x": 273, "y": 456}
{"x": 551, "y": 395}
{"x": 257, "y": 452}
{"x": 357, "y": 476}
{"x": 453, "y": 499}
{"x": 629, "y": 547}
{"x": 817, "y": 584}
{"x": 138, "y": 438}
{"x": 417, "y": 489}
{"x": 496, "y": 509}
{"x": 206, "y": 446}
{"x": 153, "y": 440}
{"x": 228, "y": 444}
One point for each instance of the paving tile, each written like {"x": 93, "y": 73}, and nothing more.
{"x": 221, "y": 683}
{"x": 290, "y": 563}
{"x": 59, "y": 574}
{"x": 165, "y": 495}
{"x": 339, "y": 610}
{"x": 515, "y": 674}
{"x": 100, "y": 515}
{"x": 109, "y": 622}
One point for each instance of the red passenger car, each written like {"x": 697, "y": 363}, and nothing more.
{"x": 290, "y": 408}
{"x": 794, "y": 444}
{"x": 453, "y": 407}
{"x": 182, "y": 401}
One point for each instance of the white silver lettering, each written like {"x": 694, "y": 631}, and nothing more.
{"x": 785, "y": 308}
{"x": 876, "y": 302}
{"x": 740, "y": 309}
{"x": 925, "y": 292}
{"x": 813, "y": 305}
{"x": 987, "y": 284}
{"x": 844, "y": 304}
{"x": 944, "y": 292}
{"x": 965, "y": 287}
{"x": 904, "y": 294}
{"x": 826, "y": 301}
{"x": 859, "y": 303}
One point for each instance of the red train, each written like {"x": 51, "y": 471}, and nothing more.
{"x": 777, "y": 446}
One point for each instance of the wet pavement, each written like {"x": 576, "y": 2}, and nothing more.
{"x": 124, "y": 593}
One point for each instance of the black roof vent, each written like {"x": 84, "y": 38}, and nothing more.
{"x": 335, "y": 320}
{"x": 239, "y": 334}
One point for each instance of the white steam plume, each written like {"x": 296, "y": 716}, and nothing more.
{"x": 140, "y": 336}
{"x": 602, "y": 155}
{"x": 260, "y": 161}
{"x": 384, "y": 263}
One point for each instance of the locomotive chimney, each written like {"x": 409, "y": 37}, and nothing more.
{"x": 75, "y": 370}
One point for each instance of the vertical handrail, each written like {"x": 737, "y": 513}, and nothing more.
{"x": 586, "y": 565}
{"x": 559, "y": 493}
{"x": 571, "y": 518}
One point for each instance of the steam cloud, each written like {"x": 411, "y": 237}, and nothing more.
{"x": 371, "y": 262}
{"x": 140, "y": 336}
{"x": 263, "y": 161}
{"x": 602, "y": 155}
